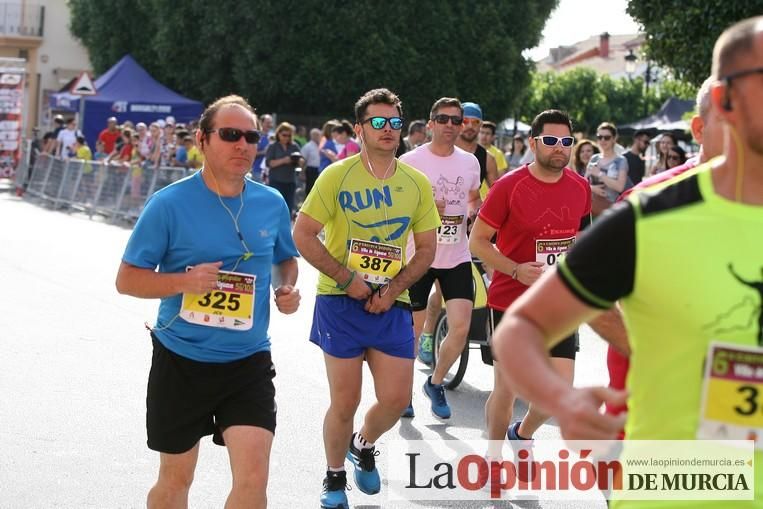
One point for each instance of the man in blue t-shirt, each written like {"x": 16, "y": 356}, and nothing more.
{"x": 266, "y": 125}
{"x": 214, "y": 238}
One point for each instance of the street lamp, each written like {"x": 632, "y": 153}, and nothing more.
{"x": 630, "y": 63}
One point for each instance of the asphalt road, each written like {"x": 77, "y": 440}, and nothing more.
{"x": 74, "y": 358}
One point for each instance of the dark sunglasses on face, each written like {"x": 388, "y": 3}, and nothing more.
{"x": 396, "y": 123}
{"x": 552, "y": 141}
{"x": 442, "y": 118}
{"x": 232, "y": 135}
{"x": 605, "y": 137}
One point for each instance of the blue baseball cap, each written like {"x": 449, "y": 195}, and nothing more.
{"x": 472, "y": 110}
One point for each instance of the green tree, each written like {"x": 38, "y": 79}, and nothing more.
{"x": 591, "y": 98}
{"x": 310, "y": 57}
{"x": 681, "y": 33}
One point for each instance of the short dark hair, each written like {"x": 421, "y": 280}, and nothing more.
{"x": 641, "y": 132}
{"x": 549, "y": 117}
{"x": 417, "y": 126}
{"x": 490, "y": 125}
{"x": 376, "y": 96}
{"x": 81, "y": 140}
{"x": 735, "y": 41}
{"x": 609, "y": 127}
{"x": 445, "y": 101}
{"x": 206, "y": 122}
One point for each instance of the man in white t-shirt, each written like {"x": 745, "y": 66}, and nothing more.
{"x": 455, "y": 178}
{"x": 66, "y": 139}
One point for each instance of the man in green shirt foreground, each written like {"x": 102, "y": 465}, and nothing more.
{"x": 685, "y": 263}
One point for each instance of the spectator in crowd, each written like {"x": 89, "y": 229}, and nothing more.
{"x": 59, "y": 124}
{"x": 607, "y": 172}
{"x": 417, "y": 134}
{"x": 266, "y": 125}
{"x": 181, "y": 153}
{"x": 312, "y": 155}
{"x": 582, "y": 154}
{"x": 301, "y": 136}
{"x": 635, "y": 156}
{"x": 100, "y": 151}
{"x": 486, "y": 138}
{"x": 517, "y": 152}
{"x": 110, "y": 134}
{"x": 282, "y": 158}
{"x": 49, "y": 143}
{"x": 155, "y": 141}
{"x": 124, "y": 155}
{"x": 81, "y": 149}
{"x": 136, "y": 172}
{"x": 676, "y": 157}
{"x": 327, "y": 146}
{"x": 195, "y": 157}
{"x": 343, "y": 136}
{"x": 67, "y": 138}
{"x": 667, "y": 140}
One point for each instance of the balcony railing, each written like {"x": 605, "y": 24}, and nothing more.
{"x": 21, "y": 19}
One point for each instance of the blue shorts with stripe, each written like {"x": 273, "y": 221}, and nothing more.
{"x": 343, "y": 328}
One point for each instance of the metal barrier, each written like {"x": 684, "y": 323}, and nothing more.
{"x": 116, "y": 191}
{"x": 112, "y": 190}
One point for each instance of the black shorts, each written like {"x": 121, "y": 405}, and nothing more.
{"x": 455, "y": 283}
{"x": 566, "y": 349}
{"x": 187, "y": 399}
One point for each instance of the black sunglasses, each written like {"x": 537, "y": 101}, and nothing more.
{"x": 396, "y": 123}
{"x": 741, "y": 74}
{"x": 605, "y": 137}
{"x": 232, "y": 135}
{"x": 442, "y": 118}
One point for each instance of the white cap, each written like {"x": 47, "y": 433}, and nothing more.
{"x": 170, "y": 120}
{"x": 161, "y": 123}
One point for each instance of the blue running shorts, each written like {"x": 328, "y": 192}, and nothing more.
{"x": 343, "y": 328}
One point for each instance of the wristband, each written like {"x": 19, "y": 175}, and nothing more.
{"x": 514, "y": 272}
{"x": 346, "y": 284}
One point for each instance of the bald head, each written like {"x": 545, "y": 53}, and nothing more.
{"x": 736, "y": 43}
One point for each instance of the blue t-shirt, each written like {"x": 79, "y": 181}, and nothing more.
{"x": 325, "y": 161}
{"x": 183, "y": 225}
{"x": 261, "y": 145}
{"x": 181, "y": 154}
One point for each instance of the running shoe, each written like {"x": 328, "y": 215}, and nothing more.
{"x": 425, "y": 349}
{"x": 364, "y": 460}
{"x": 333, "y": 495}
{"x": 408, "y": 412}
{"x": 436, "y": 394}
{"x": 519, "y": 443}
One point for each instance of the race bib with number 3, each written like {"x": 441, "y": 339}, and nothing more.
{"x": 374, "y": 262}
{"x": 732, "y": 394}
{"x": 231, "y": 306}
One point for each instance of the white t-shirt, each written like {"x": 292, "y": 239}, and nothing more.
{"x": 452, "y": 178}
{"x": 67, "y": 137}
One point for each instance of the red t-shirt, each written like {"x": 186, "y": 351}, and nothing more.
{"x": 126, "y": 153}
{"x": 661, "y": 177}
{"x": 109, "y": 139}
{"x": 535, "y": 221}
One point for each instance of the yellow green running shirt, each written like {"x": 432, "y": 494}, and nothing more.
{"x": 687, "y": 267}
{"x": 378, "y": 214}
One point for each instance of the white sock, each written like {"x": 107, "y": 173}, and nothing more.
{"x": 335, "y": 469}
{"x": 361, "y": 443}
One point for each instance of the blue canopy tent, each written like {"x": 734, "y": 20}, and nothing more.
{"x": 127, "y": 92}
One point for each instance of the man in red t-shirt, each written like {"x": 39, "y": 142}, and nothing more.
{"x": 536, "y": 213}
{"x": 109, "y": 135}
